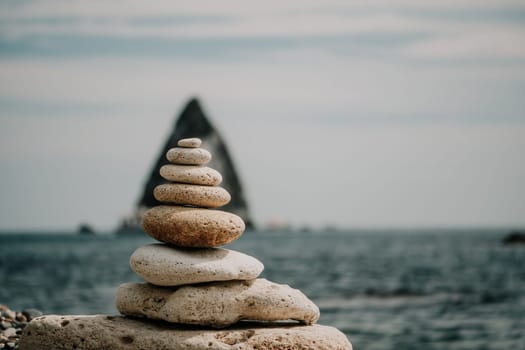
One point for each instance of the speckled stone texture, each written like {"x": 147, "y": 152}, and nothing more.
{"x": 165, "y": 265}
{"x": 217, "y": 304}
{"x": 184, "y": 194}
{"x": 188, "y": 156}
{"x": 191, "y": 174}
{"x": 190, "y": 143}
{"x": 192, "y": 227}
{"x": 121, "y": 333}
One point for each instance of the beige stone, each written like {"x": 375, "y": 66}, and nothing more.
{"x": 191, "y": 174}
{"x": 218, "y": 304}
{"x": 185, "y": 194}
{"x": 188, "y": 156}
{"x": 192, "y": 227}
{"x": 165, "y": 265}
{"x": 190, "y": 143}
{"x": 122, "y": 333}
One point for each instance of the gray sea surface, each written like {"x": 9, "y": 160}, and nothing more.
{"x": 437, "y": 289}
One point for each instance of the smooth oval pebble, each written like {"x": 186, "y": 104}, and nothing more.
{"x": 217, "y": 304}
{"x": 192, "y": 227}
{"x": 193, "y": 142}
{"x": 188, "y": 156}
{"x": 191, "y": 174}
{"x": 184, "y": 194}
{"x": 164, "y": 265}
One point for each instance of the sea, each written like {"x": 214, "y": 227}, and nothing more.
{"x": 391, "y": 289}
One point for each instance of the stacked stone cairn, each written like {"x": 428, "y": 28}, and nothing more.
{"x": 196, "y": 292}
{"x": 208, "y": 286}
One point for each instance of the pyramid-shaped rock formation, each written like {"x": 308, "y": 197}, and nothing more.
{"x": 191, "y": 281}
{"x": 193, "y": 122}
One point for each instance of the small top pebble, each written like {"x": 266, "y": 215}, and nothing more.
{"x": 190, "y": 143}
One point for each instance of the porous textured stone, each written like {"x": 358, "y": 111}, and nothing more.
{"x": 189, "y": 156}
{"x": 200, "y": 196}
{"x": 218, "y": 304}
{"x": 122, "y": 333}
{"x": 191, "y": 174}
{"x": 192, "y": 227}
{"x": 190, "y": 143}
{"x": 165, "y": 265}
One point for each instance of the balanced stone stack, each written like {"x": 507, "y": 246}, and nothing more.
{"x": 189, "y": 259}
{"x": 191, "y": 281}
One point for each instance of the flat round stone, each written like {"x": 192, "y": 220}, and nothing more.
{"x": 184, "y": 194}
{"x": 192, "y": 227}
{"x": 191, "y": 174}
{"x": 164, "y": 265}
{"x": 190, "y": 143}
{"x": 78, "y": 332}
{"x": 188, "y": 156}
{"x": 218, "y": 304}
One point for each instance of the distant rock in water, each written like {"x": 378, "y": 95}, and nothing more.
{"x": 85, "y": 229}
{"x": 515, "y": 237}
{"x": 192, "y": 123}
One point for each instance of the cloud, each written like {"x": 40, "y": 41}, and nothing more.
{"x": 464, "y": 30}
{"x": 297, "y": 86}
{"x": 483, "y": 44}
{"x": 42, "y": 108}
{"x": 234, "y": 48}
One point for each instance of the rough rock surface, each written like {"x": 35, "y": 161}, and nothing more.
{"x": 191, "y": 174}
{"x": 184, "y": 194}
{"x": 165, "y": 265}
{"x": 193, "y": 142}
{"x": 115, "y": 332}
{"x": 192, "y": 227}
{"x": 188, "y": 156}
{"x": 217, "y": 304}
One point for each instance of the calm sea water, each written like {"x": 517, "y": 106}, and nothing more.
{"x": 385, "y": 290}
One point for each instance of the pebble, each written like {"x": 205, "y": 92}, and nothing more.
{"x": 188, "y": 156}
{"x": 217, "y": 304}
{"x": 190, "y": 174}
{"x": 31, "y": 313}
{"x": 9, "y": 313}
{"x": 9, "y": 332}
{"x": 185, "y": 194}
{"x": 164, "y": 265}
{"x": 190, "y": 143}
{"x": 11, "y": 325}
{"x": 192, "y": 227}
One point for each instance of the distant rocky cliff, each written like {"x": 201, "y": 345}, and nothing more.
{"x": 193, "y": 123}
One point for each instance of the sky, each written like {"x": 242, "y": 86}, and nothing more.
{"x": 376, "y": 114}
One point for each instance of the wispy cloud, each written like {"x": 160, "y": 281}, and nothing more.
{"x": 71, "y": 46}
{"x": 466, "y": 30}
{"x": 43, "y": 108}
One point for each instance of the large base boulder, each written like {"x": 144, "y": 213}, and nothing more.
{"x": 218, "y": 305}
{"x": 117, "y": 332}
